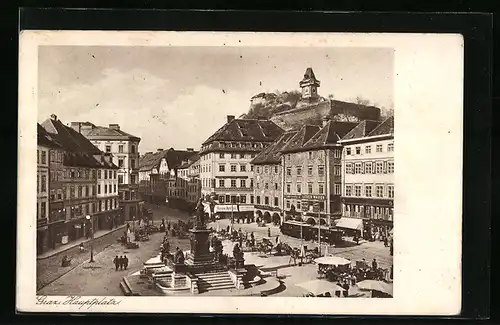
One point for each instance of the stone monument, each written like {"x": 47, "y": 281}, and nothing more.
{"x": 200, "y": 256}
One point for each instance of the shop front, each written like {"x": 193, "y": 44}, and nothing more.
{"x": 377, "y": 215}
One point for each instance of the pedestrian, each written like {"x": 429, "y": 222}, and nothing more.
{"x": 374, "y": 264}
{"x": 227, "y": 228}
{"x": 277, "y": 239}
{"x": 240, "y": 240}
{"x": 115, "y": 261}
{"x": 385, "y": 241}
{"x": 268, "y": 232}
{"x": 125, "y": 262}
{"x": 122, "y": 262}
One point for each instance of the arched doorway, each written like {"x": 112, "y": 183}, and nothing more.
{"x": 258, "y": 215}
{"x": 322, "y": 221}
{"x": 276, "y": 218}
{"x": 267, "y": 217}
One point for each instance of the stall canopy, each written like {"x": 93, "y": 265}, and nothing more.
{"x": 350, "y": 223}
{"x": 317, "y": 287}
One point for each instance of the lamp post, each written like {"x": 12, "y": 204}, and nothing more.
{"x": 88, "y": 217}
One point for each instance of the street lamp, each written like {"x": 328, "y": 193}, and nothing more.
{"x": 88, "y": 217}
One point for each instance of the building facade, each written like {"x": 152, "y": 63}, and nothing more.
{"x": 44, "y": 145}
{"x": 78, "y": 181}
{"x": 226, "y": 174}
{"x": 107, "y": 214}
{"x": 268, "y": 179}
{"x": 368, "y": 182}
{"x": 312, "y": 180}
{"x": 124, "y": 150}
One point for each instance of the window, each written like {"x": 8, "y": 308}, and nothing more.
{"x": 390, "y": 191}
{"x": 251, "y": 199}
{"x": 258, "y": 170}
{"x": 390, "y": 167}
{"x": 132, "y": 179}
{"x": 309, "y": 170}
{"x": 105, "y": 189}
{"x": 357, "y": 190}
{"x": 299, "y": 188}
{"x": 288, "y": 157}
{"x": 379, "y": 167}
{"x": 368, "y": 149}
{"x": 132, "y": 163}
{"x": 233, "y": 156}
{"x": 38, "y": 157}
{"x": 243, "y": 199}
{"x": 289, "y": 171}
{"x": 221, "y": 155}
{"x": 275, "y": 186}
{"x": 336, "y": 153}
{"x": 379, "y": 148}
{"x": 358, "y": 150}
{"x": 310, "y": 154}
{"x": 276, "y": 201}
{"x": 120, "y": 148}
{"x": 233, "y": 183}
{"x": 94, "y": 173}
{"x": 251, "y": 183}
{"x": 114, "y": 188}
{"x": 337, "y": 189}
{"x": 288, "y": 186}
{"x": 86, "y": 191}
{"x": 348, "y": 190}
{"x": 337, "y": 170}
{"x": 309, "y": 188}
{"x": 348, "y": 151}
{"x": 132, "y": 149}
{"x": 299, "y": 170}
{"x": 357, "y": 168}
{"x": 221, "y": 183}
{"x": 258, "y": 185}
{"x": 43, "y": 186}
{"x": 266, "y": 186}
{"x": 243, "y": 168}
{"x": 321, "y": 171}
{"x": 110, "y": 188}
{"x": 258, "y": 199}
{"x": 266, "y": 200}
{"x": 44, "y": 157}
{"x": 243, "y": 183}
{"x": 44, "y": 209}
{"x": 114, "y": 174}
{"x": 221, "y": 199}
{"x": 368, "y": 168}
{"x": 251, "y": 168}
{"x": 298, "y": 205}
{"x": 242, "y": 156}
{"x": 79, "y": 191}
{"x": 368, "y": 190}
{"x": 287, "y": 204}
{"x": 105, "y": 172}
{"x": 222, "y": 167}
{"x": 120, "y": 162}
{"x": 71, "y": 192}
{"x": 120, "y": 179}
{"x": 321, "y": 187}
{"x": 233, "y": 168}
{"x": 380, "y": 191}
{"x": 348, "y": 168}
{"x": 108, "y": 148}
{"x": 390, "y": 147}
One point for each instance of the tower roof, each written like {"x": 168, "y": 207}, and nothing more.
{"x": 309, "y": 78}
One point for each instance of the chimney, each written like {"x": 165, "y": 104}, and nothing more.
{"x": 190, "y": 149}
{"x": 114, "y": 126}
{"x": 230, "y": 118}
{"x": 74, "y": 125}
{"x": 325, "y": 121}
{"x": 53, "y": 117}
{"x": 158, "y": 150}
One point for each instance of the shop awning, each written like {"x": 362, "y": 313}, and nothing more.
{"x": 349, "y": 223}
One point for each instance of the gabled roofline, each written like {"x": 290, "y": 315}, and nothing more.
{"x": 374, "y": 137}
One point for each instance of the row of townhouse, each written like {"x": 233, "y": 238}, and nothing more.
{"x": 170, "y": 177}
{"x": 74, "y": 180}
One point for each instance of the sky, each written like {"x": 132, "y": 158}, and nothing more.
{"x": 179, "y": 96}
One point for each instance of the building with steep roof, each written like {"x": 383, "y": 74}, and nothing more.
{"x": 122, "y": 149}
{"x": 80, "y": 164}
{"x": 226, "y": 174}
{"x": 368, "y": 178}
{"x": 268, "y": 187}
{"x": 309, "y": 85}
{"x": 311, "y": 161}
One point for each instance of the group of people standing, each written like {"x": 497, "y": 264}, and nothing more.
{"x": 121, "y": 262}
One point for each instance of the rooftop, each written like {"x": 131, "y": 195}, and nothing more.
{"x": 45, "y": 139}
{"x": 92, "y": 131}
{"x": 174, "y": 158}
{"x": 272, "y": 154}
{"x": 247, "y": 130}
{"x": 361, "y": 130}
{"x": 300, "y": 138}
{"x": 329, "y": 134}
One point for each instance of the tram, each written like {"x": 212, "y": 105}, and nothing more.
{"x": 298, "y": 229}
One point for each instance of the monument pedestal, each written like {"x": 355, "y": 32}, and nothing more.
{"x": 200, "y": 255}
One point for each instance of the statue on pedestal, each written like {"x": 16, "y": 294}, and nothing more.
{"x": 200, "y": 215}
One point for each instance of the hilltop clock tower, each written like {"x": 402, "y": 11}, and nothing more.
{"x": 309, "y": 85}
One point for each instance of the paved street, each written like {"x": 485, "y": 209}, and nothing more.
{"x": 101, "y": 279}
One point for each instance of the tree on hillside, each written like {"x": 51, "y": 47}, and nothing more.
{"x": 361, "y": 101}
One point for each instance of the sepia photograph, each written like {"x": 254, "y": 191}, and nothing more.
{"x": 221, "y": 168}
